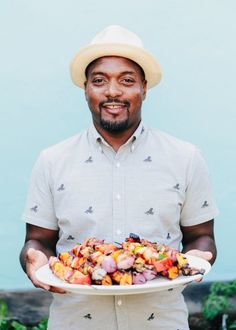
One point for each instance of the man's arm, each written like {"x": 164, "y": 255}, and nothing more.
{"x": 40, "y": 244}
{"x": 199, "y": 240}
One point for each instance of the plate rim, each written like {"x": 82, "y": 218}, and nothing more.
{"x": 149, "y": 286}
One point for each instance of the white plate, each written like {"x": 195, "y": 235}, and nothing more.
{"x": 45, "y": 275}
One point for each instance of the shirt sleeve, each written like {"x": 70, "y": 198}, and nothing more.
{"x": 199, "y": 205}
{"x": 39, "y": 208}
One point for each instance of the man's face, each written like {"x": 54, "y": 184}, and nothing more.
{"x": 115, "y": 89}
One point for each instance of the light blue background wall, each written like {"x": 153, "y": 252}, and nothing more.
{"x": 195, "y": 44}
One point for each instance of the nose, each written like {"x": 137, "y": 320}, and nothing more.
{"x": 113, "y": 90}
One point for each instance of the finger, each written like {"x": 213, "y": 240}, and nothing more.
{"x": 207, "y": 255}
{"x": 36, "y": 283}
{"x": 199, "y": 279}
{"x": 35, "y": 259}
{"x": 40, "y": 285}
{"x": 30, "y": 254}
{"x": 57, "y": 290}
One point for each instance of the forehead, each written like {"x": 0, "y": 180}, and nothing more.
{"x": 113, "y": 64}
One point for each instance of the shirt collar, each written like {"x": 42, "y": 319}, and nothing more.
{"x": 96, "y": 138}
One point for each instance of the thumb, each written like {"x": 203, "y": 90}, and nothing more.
{"x": 206, "y": 255}
{"x": 31, "y": 254}
{"x": 36, "y": 258}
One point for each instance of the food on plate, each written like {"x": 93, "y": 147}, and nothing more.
{"x": 135, "y": 261}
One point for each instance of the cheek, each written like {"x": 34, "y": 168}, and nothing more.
{"x": 93, "y": 97}
{"x": 136, "y": 101}
{"x": 136, "y": 95}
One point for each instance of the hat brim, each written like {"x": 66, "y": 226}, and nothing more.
{"x": 139, "y": 55}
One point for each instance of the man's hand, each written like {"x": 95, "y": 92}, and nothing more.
{"x": 198, "y": 240}
{"x": 207, "y": 255}
{"x": 34, "y": 260}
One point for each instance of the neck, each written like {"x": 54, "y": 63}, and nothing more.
{"x": 116, "y": 140}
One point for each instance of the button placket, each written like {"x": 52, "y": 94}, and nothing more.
{"x": 118, "y": 196}
{"x": 118, "y": 232}
{"x": 121, "y": 313}
{"x": 118, "y": 200}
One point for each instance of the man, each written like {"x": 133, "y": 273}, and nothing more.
{"x": 117, "y": 177}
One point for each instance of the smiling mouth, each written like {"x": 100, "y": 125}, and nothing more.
{"x": 114, "y": 108}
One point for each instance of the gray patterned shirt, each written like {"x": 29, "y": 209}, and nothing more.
{"x": 153, "y": 184}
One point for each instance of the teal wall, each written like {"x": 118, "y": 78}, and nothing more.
{"x": 195, "y": 44}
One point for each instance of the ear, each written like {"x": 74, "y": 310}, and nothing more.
{"x": 144, "y": 89}
{"x": 85, "y": 90}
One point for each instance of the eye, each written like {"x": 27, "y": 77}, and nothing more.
{"x": 128, "y": 81}
{"x": 98, "y": 81}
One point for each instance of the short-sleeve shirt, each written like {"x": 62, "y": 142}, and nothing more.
{"x": 151, "y": 186}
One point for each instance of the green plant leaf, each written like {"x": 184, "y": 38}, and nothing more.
{"x": 227, "y": 289}
{"x": 215, "y": 305}
{"x": 232, "y": 325}
{"x": 18, "y": 326}
{"x": 217, "y": 302}
{"x": 4, "y": 325}
{"x": 43, "y": 324}
{"x": 3, "y": 309}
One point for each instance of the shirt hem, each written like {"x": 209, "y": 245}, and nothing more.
{"x": 39, "y": 223}
{"x": 203, "y": 218}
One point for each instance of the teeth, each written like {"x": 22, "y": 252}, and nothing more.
{"x": 114, "y": 106}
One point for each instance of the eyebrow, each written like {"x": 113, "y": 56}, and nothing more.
{"x": 103, "y": 73}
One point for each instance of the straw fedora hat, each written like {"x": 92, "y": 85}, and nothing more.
{"x": 115, "y": 41}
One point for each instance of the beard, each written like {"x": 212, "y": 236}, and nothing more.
{"x": 116, "y": 126}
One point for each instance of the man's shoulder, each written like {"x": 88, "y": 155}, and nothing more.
{"x": 171, "y": 143}
{"x": 65, "y": 146}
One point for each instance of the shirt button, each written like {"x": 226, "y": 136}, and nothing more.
{"x": 119, "y": 302}
{"x": 118, "y": 164}
{"x": 118, "y": 196}
{"x": 118, "y": 231}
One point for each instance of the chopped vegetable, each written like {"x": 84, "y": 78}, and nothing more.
{"x": 135, "y": 261}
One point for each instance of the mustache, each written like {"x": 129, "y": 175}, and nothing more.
{"x": 110, "y": 101}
